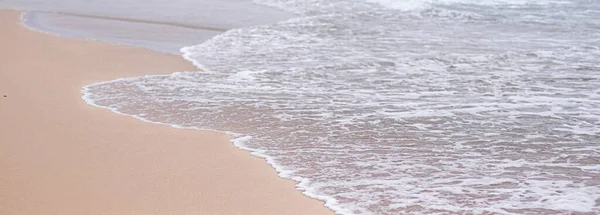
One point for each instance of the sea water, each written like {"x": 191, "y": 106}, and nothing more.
{"x": 394, "y": 107}
{"x": 159, "y": 25}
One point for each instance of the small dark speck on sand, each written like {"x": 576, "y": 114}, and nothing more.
{"x": 4, "y": 96}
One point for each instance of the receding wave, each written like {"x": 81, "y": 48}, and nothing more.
{"x": 446, "y": 108}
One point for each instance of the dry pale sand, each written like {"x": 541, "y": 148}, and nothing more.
{"x": 59, "y": 155}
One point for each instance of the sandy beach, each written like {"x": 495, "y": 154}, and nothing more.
{"x": 59, "y": 155}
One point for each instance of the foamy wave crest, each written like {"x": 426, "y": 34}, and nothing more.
{"x": 380, "y": 112}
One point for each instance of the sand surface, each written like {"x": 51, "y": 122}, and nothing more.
{"x": 59, "y": 155}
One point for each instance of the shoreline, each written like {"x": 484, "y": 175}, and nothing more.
{"x": 63, "y": 156}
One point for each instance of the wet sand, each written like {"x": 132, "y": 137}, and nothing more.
{"x": 59, "y": 155}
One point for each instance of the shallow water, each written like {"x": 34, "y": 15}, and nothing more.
{"x": 387, "y": 107}
{"x": 159, "y": 25}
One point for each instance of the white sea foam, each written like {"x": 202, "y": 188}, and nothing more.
{"x": 408, "y": 5}
{"x": 377, "y": 111}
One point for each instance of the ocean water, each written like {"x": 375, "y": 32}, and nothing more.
{"x": 402, "y": 107}
{"x": 159, "y": 25}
